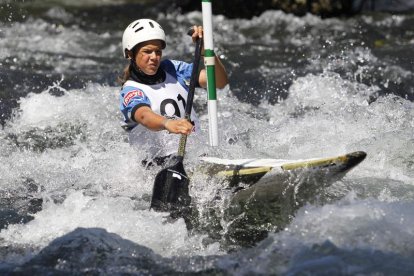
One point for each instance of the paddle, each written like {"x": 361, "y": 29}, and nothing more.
{"x": 170, "y": 191}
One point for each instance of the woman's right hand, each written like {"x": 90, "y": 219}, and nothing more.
{"x": 155, "y": 122}
{"x": 179, "y": 126}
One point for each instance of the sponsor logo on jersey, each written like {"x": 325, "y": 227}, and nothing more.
{"x": 132, "y": 94}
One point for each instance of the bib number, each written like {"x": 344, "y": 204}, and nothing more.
{"x": 169, "y": 107}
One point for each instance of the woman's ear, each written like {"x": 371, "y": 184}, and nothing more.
{"x": 128, "y": 54}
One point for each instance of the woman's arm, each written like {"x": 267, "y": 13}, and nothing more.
{"x": 220, "y": 72}
{"x": 146, "y": 117}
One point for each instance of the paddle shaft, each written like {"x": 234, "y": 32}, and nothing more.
{"x": 170, "y": 191}
{"x": 190, "y": 97}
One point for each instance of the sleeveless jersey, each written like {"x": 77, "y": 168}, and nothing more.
{"x": 167, "y": 98}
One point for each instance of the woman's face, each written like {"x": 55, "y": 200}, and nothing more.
{"x": 148, "y": 57}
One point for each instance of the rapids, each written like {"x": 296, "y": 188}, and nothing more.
{"x": 74, "y": 197}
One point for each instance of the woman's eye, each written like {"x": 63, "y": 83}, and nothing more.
{"x": 149, "y": 52}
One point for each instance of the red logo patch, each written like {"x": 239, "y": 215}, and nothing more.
{"x": 131, "y": 94}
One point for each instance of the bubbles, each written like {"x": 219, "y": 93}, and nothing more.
{"x": 59, "y": 13}
{"x": 116, "y": 215}
{"x": 301, "y": 87}
{"x": 358, "y": 223}
{"x": 327, "y": 114}
{"x": 349, "y": 235}
{"x": 93, "y": 178}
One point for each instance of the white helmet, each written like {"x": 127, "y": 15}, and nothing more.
{"x": 141, "y": 30}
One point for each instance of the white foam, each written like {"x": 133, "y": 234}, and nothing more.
{"x": 99, "y": 176}
{"x": 115, "y": 214}
{"x": 353, "y": 223}
{"x": 350, "y": 235}
{"x": 97, "y": 180}
{"x": 329, "y": 115}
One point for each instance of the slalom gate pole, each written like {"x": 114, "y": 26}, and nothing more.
{"x": 209, "y": 62}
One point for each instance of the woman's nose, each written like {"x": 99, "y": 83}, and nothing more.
{"x": 153, "y": 54}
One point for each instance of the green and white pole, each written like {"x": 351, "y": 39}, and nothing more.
{"x": 209, "y": 62}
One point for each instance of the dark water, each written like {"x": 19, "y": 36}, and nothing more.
{"x": 74, "y": 198}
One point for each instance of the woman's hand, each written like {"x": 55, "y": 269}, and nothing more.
{"x": 180, "y": 126}
{"x": 198, "y": 33}
{"x": 220, "y": 72}
{"x": 155, "y": 122}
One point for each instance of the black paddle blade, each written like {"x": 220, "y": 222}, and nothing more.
{"x": 170, "y": 192}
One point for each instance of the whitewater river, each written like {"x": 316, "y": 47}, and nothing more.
{"x": 74, "y": 197}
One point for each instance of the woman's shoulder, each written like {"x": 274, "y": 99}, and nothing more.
{"x": 130, "y": 86}
{"x": 176, "y": 67}
{"x": 169, "y": 66}
{"x": 130, "y": 83}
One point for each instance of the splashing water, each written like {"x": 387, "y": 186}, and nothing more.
{"x": 300, "y": 88}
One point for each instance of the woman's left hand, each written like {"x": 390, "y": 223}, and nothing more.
{"x": 198, "y": 33}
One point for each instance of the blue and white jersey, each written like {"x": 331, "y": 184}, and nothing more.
{"x": 167, "y": 98}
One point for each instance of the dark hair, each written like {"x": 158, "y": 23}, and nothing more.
{"x": 127, "y": 70}
{"x": 126, "y": 74}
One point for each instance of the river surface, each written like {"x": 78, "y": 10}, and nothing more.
{"x": 74, "y": 197}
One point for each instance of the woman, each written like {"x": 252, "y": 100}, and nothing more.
{"x": 154, "y": 92}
